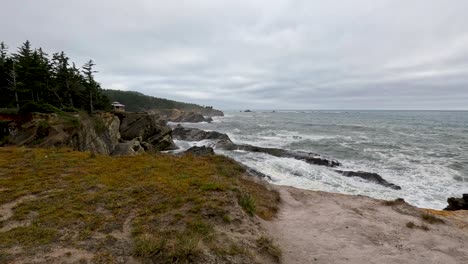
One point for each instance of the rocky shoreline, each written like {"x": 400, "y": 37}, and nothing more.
{"x": 222, "y": 141}
{"x": 127, "y": 133}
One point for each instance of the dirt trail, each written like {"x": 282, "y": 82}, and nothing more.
{"x": 6, "y": 210}
{"x": 319, "y": 227}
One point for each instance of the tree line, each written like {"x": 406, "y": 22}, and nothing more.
{"x": 31, "y": 76}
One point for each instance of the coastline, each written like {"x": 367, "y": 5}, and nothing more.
{"x": 254, "y": 221}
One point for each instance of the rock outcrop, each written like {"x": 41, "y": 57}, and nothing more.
{"x": 457, "y": 203}
{"x": 148, "y": 127}
{"x": 372, "y": 177}
{"x": 195, "y": 134}
{"x": 175, "y": 115}
{"x": 200, "y": 151}
{"x": 223, "y": 141}
{"x": 209, "y": 111}
{"x": 128, "y": 148}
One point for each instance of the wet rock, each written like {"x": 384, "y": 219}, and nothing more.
{"x": 457, "y": 203}
{"x": 200, "y": 151}
{"x": 195, "y": 134}
{"x": 308, "y": 157}
{"x": 256, "y": 173}
{"x": 373, "y": 177}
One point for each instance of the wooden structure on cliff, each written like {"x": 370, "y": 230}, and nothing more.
{"x": 118, "y": 107}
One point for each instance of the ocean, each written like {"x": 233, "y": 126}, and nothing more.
{"x": 425, "y": 152}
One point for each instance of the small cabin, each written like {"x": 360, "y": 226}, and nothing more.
{"x": 118, "y": 107}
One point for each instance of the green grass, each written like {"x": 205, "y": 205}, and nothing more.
{"x": 247, "y": 202}
{"x": 81, "y": 200}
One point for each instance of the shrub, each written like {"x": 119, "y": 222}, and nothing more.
{"x": 147, "y": 246}
{"x": 40, "y": 107}
{"x": 431, "y": 219}
{"x": 247, "y": 202}
{"x": 266, "y": 244}
{"x": 70, "y": 109}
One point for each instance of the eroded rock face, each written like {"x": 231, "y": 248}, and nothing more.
{"x": 99, "y": 133}
{"x": 103, "y": 133}
{"x": 457, "y": 203}
{"x": 149, "y": 127}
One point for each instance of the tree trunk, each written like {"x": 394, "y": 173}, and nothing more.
{"x": 17, "y": 100}
{"x": 91, "y": 102}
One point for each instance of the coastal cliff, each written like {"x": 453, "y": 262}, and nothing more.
{"x": 103, "y": 133}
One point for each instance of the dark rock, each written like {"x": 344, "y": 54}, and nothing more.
{"x": 149, "y": 127}
{"x": 456, "y": 204}
{"x": 373, "y": 177}
{"x": 247, "y": 111}
{"x": 256, "y": 173}
{"x": 128, "y": 148}
{"x": 195, "y": 134}
{"x": 308, "y": 157}
{"x": 200, "y": 151}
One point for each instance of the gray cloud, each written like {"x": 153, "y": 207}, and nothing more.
{"x": 338, "y": 54}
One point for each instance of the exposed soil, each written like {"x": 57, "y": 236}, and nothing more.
{"x": 319, "y": 227}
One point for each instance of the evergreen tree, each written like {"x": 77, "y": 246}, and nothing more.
{"x": 29, "y": 75}
{"x": 89, "y": 83}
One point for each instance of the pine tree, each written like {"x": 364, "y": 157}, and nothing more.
{"x": 90, "y": 84}
{"x": 29, "y": 75}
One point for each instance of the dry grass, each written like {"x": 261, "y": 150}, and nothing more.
{"x": 431, "y": 219}
{"x": 83, "y": 201}
{"x": 267, "y": 245}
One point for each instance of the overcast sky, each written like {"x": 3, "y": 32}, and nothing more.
{"x": 261, "y": 54}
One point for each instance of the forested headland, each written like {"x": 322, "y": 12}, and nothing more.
{"x": 135, "y": 101}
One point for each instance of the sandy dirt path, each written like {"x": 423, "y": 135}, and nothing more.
{"x": 319, "y": 227}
